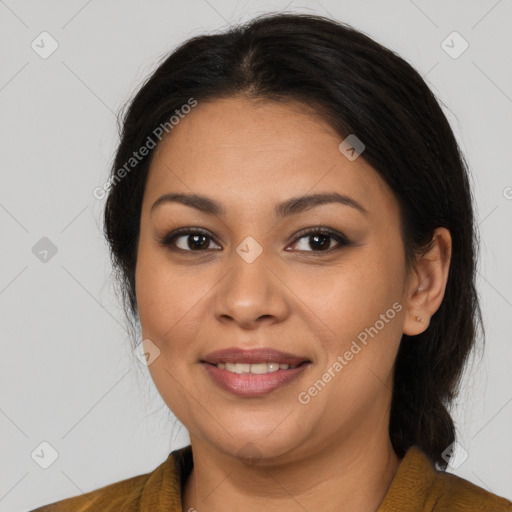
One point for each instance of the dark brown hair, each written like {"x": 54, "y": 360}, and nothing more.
{"x": 361, "y": 88}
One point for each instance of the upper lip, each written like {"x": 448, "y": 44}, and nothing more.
{"x": 255, "y": 355}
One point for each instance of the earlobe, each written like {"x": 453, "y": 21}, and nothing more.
{"x": 428, "y": 283}
{"x": 416, "y": 318}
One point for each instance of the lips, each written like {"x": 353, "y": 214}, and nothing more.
{"x": 253, "y": 356}
{"x": 255, "y": 372}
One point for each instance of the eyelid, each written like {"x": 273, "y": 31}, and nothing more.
{"x": 168, "y": 240}
{"x": 339, "y": 237}
{"x": 313, "y": 230}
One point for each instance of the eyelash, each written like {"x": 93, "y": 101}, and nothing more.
{"x": 168, "y": 240}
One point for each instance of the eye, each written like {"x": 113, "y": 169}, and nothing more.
{"x": 198, "y": 240}
{"x": 194, "y": 240}
{"x": 320, "y": 239}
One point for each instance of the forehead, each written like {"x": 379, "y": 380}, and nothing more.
{"x": 249, "y": 152}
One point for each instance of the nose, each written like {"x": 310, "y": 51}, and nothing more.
{"x": 252, "y": 293}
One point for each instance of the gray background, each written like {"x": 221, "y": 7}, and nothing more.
{"x": 67, "y": 374}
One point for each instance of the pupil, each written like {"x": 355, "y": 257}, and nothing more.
{"x": 325, "y": 239}
{"x": 194, "y": 245}
{"x": 198, "y": 244}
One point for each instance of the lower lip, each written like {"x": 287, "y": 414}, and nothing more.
{"x": 251, "y": 384}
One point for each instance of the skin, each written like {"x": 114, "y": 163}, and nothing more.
{"x": 333, "y": 453}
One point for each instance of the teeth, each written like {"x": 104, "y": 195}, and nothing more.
{"x": 238, "y": 367}
{"x": 257, "y": 368}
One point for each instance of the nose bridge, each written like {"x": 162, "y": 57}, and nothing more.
{"x": 250, "y": 268}
{"x": 249, "y": 250}
{"x": 250, "y": 289}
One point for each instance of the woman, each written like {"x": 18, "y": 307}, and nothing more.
{"x": 292, "y": 223}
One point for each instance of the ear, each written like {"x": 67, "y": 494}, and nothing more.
{"x": 427, "y": 283}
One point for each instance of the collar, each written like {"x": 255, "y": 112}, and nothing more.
{"x": 407, "y": 492}
{"x": 411, "y": 484}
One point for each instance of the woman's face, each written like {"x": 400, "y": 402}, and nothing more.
{"x": 251, "y": 280}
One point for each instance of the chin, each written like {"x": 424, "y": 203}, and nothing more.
{"x": 257, "y": 446}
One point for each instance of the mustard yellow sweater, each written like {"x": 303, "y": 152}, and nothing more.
{"x": 416, "y": 487}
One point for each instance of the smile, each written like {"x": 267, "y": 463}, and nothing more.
{"x": 255, "y": 368}
{"x": 255, "y": 379}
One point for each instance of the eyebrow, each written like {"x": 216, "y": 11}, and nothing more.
{"x": 289, "y": 207}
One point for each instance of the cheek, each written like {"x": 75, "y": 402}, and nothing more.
{"x": 162, "y": 295}
{"x": 151, "y": 283}
{"x": 360, "y": 305}
{"x": 353, "y": 295}
{"x": 169, "y": 310}
{"x": 174, "y": 304}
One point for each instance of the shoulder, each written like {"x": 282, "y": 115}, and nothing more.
{"x": 123, "y": 493}
{"x": 451, "y": 492}
{"x": 419, "y": 487}
{"x": 132, "y": 494}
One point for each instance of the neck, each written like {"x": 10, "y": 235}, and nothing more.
{"x": 353, "y": 476}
